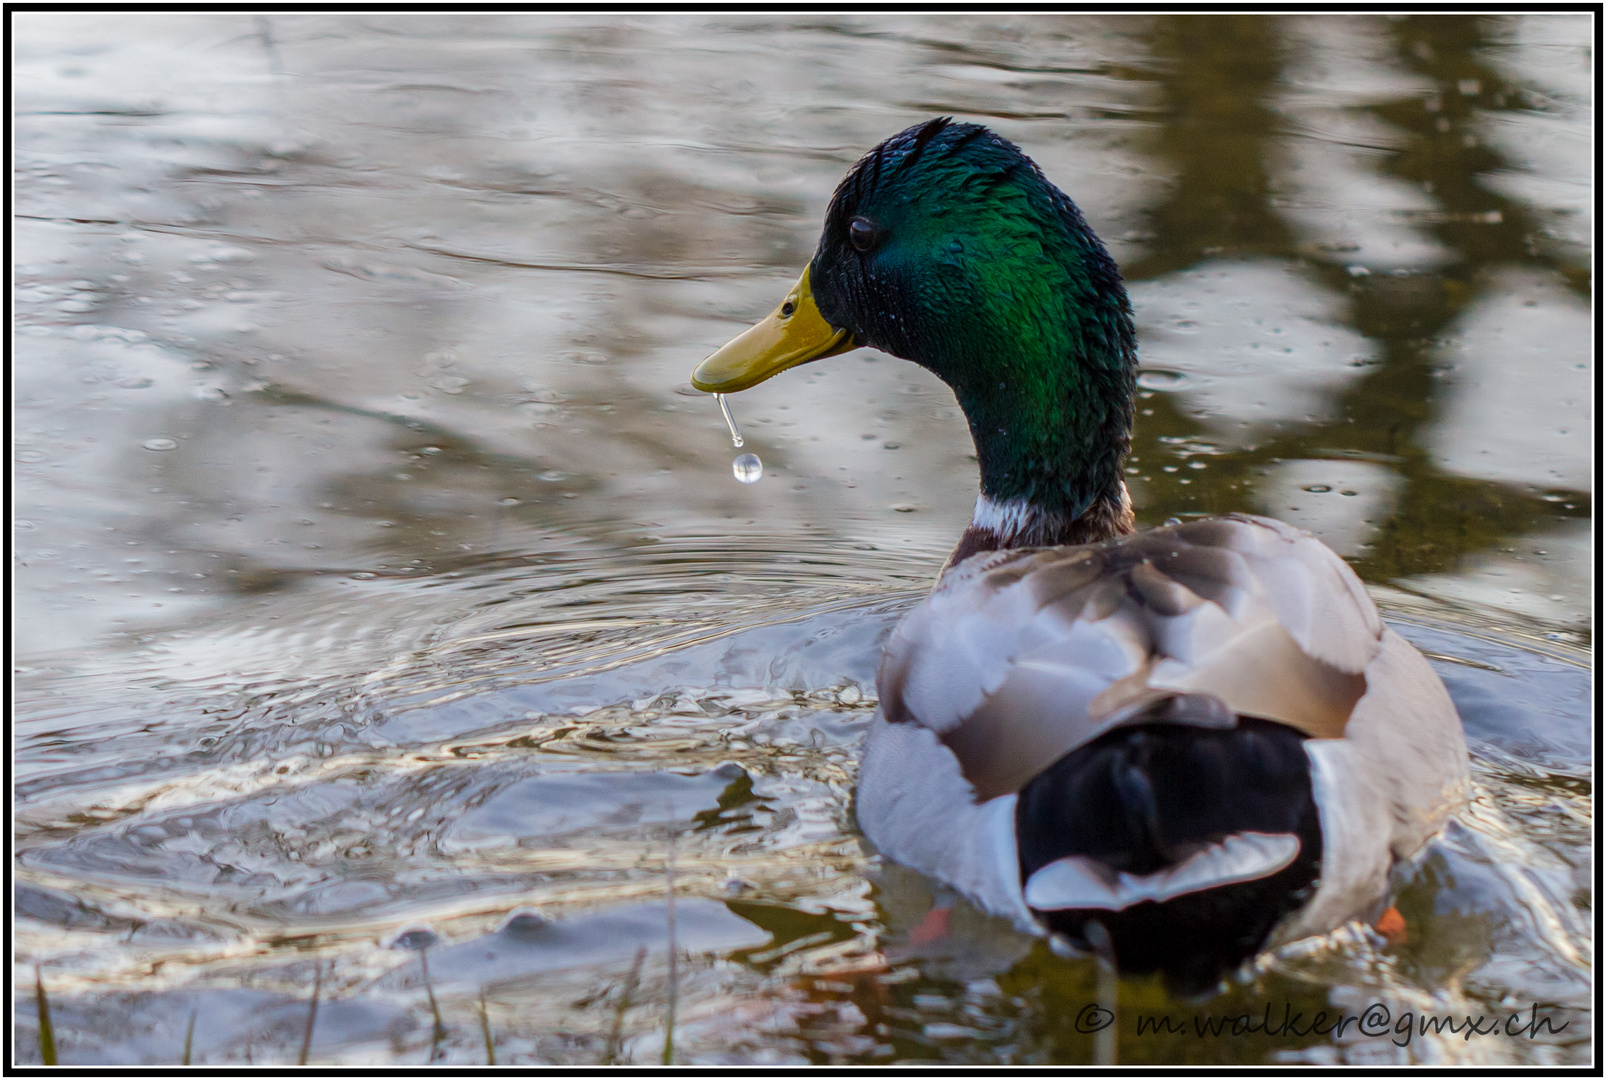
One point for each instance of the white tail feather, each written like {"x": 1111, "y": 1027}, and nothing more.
{"x": 1081, "y": 882}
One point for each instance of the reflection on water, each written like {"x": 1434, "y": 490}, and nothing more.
{"x": 377, "y": 568}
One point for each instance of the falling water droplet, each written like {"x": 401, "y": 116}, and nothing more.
{"x": 736, "y": 436}
{"x": 748, "y": 468}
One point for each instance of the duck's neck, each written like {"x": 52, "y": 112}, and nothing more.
{"x": 1052, "y": 441}
{"x": 1016, "y": 523}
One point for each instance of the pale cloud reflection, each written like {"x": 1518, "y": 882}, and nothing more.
{"x": 1550, "y": 151}
{"x": 1256, "y": 343}
{"x": 1543, "y": 576}
{"x": 1520, "y": 385}
{"x": 1342, "y": 501}
{"x": 1332, "y": 188}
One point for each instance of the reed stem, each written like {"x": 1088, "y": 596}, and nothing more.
{"x": 47, "y": 1034}
{"x": 312, "y": 1014}
{"x": 1108, "y": 991}
{"x": 485, "y": 1030}
{"x": 669, "y": 888}
{"x": 610, "y": 1055}
{"x": 439, "y": 1031}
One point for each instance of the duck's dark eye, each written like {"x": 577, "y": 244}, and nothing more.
{"x": 862, "y": 233}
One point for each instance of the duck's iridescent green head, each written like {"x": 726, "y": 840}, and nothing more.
{"x": 947, "y": 246}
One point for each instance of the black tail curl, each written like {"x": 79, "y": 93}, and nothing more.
{"x": 1145, "y": 797}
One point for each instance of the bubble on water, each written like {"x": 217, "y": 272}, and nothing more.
{"x": 1317, "y": 489}
{"x": 524, "y": 922}
{"x": 159, "y": 444}
{"x": 748, "y": 468}
{"x": 1157, "y": 379}
{"x": 415, "y": 938}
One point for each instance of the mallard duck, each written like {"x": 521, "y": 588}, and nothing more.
{"x": 1201, "y": 738}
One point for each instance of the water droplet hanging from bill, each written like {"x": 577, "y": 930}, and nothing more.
{"x": 730, "y": 421}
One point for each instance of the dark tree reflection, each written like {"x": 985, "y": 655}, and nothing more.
{"x": 1224, "y": 142}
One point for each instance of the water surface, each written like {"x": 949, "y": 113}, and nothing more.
{"x": 380, "y": 581}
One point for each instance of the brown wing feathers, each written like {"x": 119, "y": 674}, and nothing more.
{"x": 1019, "y": 657}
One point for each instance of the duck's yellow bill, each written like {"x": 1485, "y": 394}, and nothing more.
{"x": 793, "y": 334}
